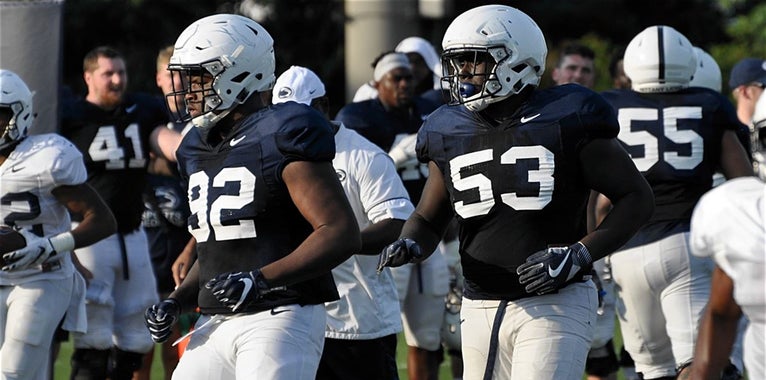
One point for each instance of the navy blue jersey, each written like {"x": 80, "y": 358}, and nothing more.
{"x": 242, "y": 215}
{"x": 516, "y": 186}
{"x": 115, "y": 147}
{"x": 384, "y": 128}
{"x": 675, "y": 142}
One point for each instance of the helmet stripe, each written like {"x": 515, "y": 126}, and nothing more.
{"x": 661, "y": 47}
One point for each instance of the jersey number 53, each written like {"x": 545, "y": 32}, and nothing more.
{"x": 542, "y": 175}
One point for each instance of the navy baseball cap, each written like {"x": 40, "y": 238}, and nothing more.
{"x": 746, "y": 71}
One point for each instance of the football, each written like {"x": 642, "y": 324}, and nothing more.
{"x": 10, "y": 240}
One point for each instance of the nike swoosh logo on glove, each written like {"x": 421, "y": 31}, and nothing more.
{"x": 555, "y": 272}
{"x": 248, "y": 285}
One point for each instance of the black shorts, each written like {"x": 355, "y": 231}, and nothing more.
{"x": 373, "y": 359}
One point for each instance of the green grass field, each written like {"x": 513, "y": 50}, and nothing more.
{"x": 62, "y": 367}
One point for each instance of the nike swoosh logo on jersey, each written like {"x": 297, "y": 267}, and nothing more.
{"x": 525, "y": 119}
{"x": 236, "y": 141}
{"x": 312, "y": 92}
{"x": 555, "y": 272}
{"x": 248, "y": 285}
{"x": 274, "y": 311}
{"x": 16, "y": 169}
{"x": 131, "y": 108}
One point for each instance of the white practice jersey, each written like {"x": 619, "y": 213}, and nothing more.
{"x": 369, "y": 306}
{"x": 39, "y": 164}
{"x": 729, "y": 225}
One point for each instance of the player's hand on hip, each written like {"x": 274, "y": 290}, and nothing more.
{"x": 160, "y": 318}
{"x": 239, "y": 289}
{"x": 398, "y": 253}
{"x": 548, "y": 270}
{"x": 36, "y": 252}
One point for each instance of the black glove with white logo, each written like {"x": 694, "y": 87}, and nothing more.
{"x": 398, "y": 253}
{"x": 239, "y": 289}
{"x": 549, "y": 270}
{"x": 160, "y": 318}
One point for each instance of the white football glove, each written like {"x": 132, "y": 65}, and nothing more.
{"x": 404, "y": 150}
{"x": 37, "y": 251}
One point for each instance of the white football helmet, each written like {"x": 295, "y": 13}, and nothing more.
{"x": 708, "y": 73}
{"x": 506, "y": 36}
{"x": 15, "y": 95}
{"x": 659, "y": 59}
{"x": 235, "y": 50}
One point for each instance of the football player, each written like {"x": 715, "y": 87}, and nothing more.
{"x": 728, "y": 225}
{"x": 360, "y": 337}
{"x": 391, "y": 122}
{"x": 677, "y": 137}
{"x": 115, "y": 132}
{"x": 267, "y": 211}
{"x": 43, "y": 180}
{"x": 515, "y": 164}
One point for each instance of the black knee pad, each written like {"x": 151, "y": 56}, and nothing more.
{"x": 89, "y": 364}
{"x": 125, "y": 363}
{"x": 602, "y": 361}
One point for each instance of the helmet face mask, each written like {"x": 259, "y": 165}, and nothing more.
{"x": 16, "y": 104}
{"x": 470, "y": 73}
{"x": 513, "y": 41}
{"x": 221, "y": 60}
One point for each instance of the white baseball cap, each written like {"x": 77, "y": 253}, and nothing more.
{"x": 297, "y": 84}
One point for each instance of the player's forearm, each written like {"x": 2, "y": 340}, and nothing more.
{"x": 326, "y": 247}
{"x": 714, "y": 344}
{"x": 426, "y": 233}
{"x": 378, "y": 235}
{"x": 628, "y": 214}
{"x": 186, "y": 293}
{"x": 97, "y": 223}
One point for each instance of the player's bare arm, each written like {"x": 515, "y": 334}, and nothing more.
{"x": 97, "y": 220}
{"x": 186, "y": 293}
{"x": 608, "y": 169}
{"x": 718, "y": 329}
{"x": 734, "y": 161}
{"x": 377, "y": 235}
{"x": 165, "y": 141}
{"x": 316, "y": 192}
{"x": 424, "y": 228}
{"x": 184, "y": 262}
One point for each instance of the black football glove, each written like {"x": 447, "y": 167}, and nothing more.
{"x": 239, "y": 289}
{"x": 549, "y": 270}
{"x": 161, "y": 317}
{"x": 398, "y": 253}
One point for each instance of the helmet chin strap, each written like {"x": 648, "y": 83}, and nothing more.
{"x": 208, "y": 120}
